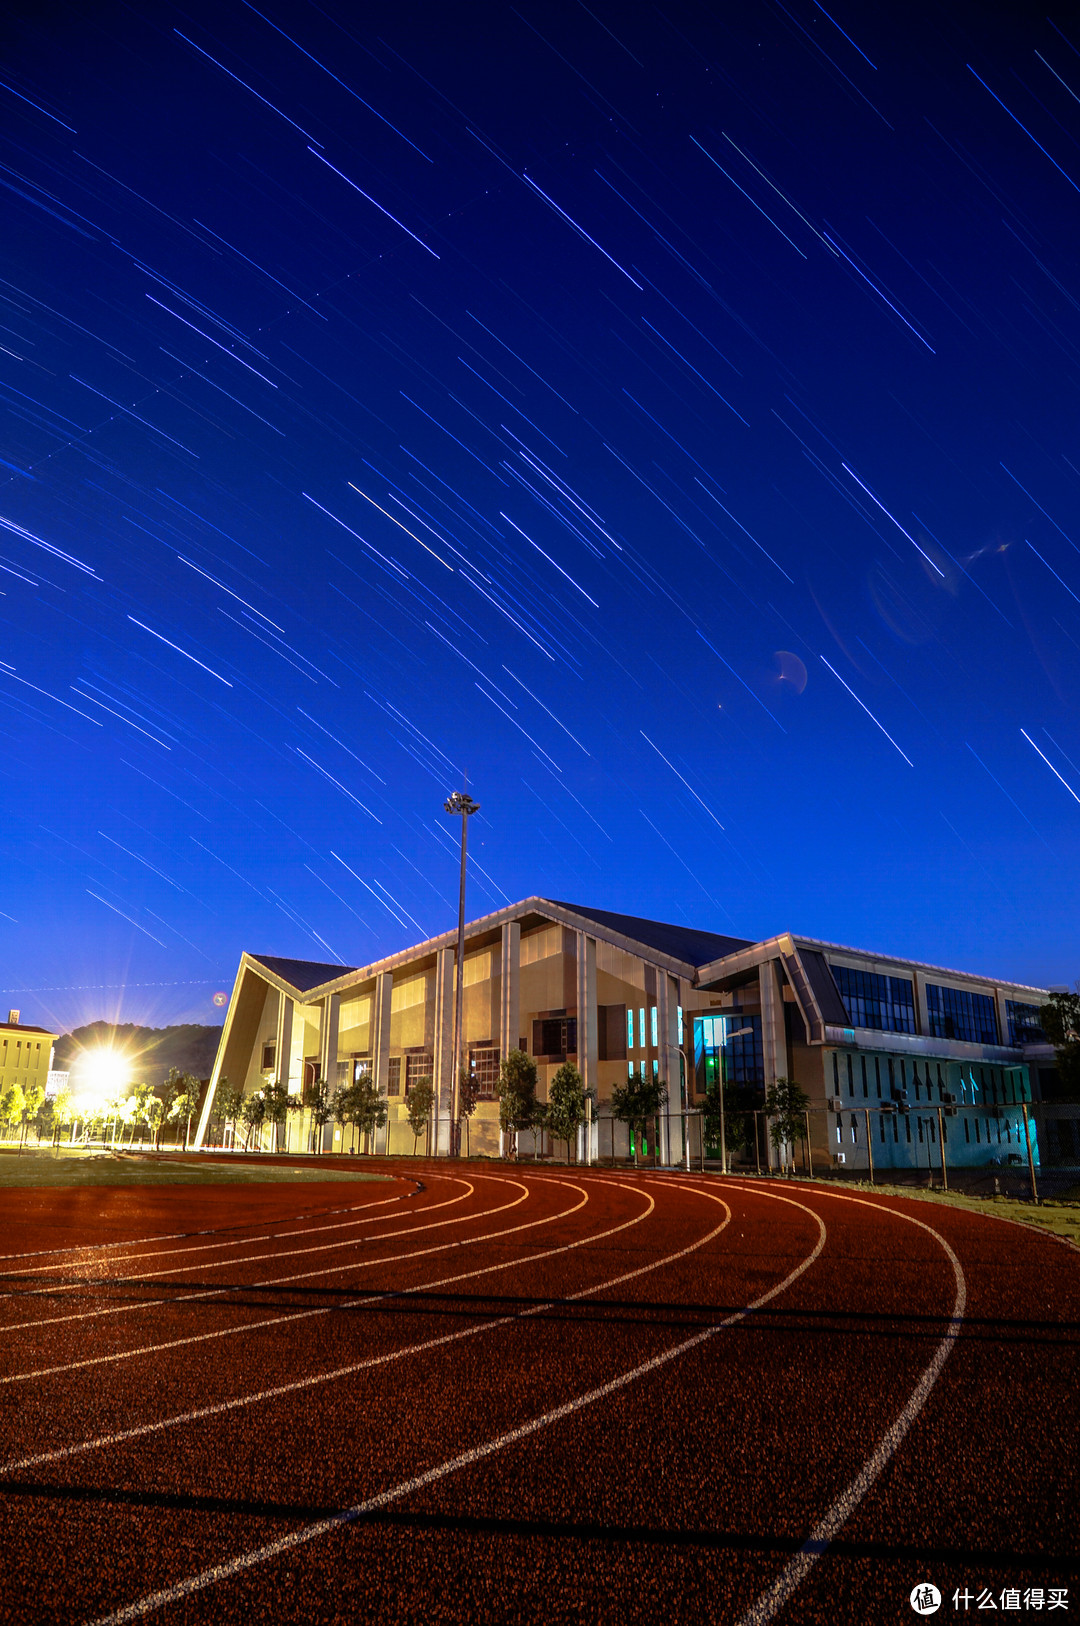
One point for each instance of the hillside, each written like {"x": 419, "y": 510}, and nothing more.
{"x": 189, "y": 1046}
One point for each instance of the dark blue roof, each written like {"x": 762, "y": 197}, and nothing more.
{"x": 302, "y": 974}
{"x": 684, "y": 943}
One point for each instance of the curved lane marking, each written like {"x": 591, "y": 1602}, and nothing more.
{"x": 369, "y": 1362}
{"x": 328, "y": 1309}
{"x": 273, "y": 1281}
{"x": 87, "y": 1282}
{"x": 841, "y": 1510}
{"x": 465, "y": 1459}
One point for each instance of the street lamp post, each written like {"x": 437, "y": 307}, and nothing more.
{"x": 459, "y": 802}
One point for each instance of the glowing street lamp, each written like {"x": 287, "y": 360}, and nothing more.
{"x": 459, "y": 802}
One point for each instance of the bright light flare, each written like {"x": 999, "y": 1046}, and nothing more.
{"x": 102, "y": 1076}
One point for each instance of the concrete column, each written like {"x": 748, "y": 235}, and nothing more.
{"x": 328, "y": 1038}
{"x": 444, "y": 1044}
{"x": 588, "y": 1029}
{"x": 380, "y": 1028}
{"x": 509, "y": 984}
{"x": 283, "y": 1041}
{"x": 667, "y": 1016}
{"x": 1002, "y": 1016}
{"x": 922, "y": 1017}
{"x": 773, "y": 1036}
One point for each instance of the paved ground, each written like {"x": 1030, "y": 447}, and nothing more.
{"x": 491, "y": 1395}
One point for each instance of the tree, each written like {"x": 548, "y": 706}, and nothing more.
{"x": 33, "y": 1096}
{"x": 340, "y": 1107}
{"x": 418, "y": 1106}
{"x": 171, "y": 1088}
{"x": 252, "y": 1114}
{"x": 276, "y": 1098}
{"x": 12, "y": 1103}
{"x": 786, "y": 1104}
{"x": 61, "y": 1111}
{"x": 367, "y": 1109}
{"x": 1059, "y": 1019}
{"x": 517, "y": 1096}
{"x": 736, "y": 1102}
{"x": 186, "y": 1105}
{"x": 227, "y": 1105}
{"x": 638, "y": 1101}
{"x": 146, "y": 1106}
{"x": 322, "y": 1110}
{"x": 565, "y": 1104}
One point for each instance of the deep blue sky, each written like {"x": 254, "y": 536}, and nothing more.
{"x": 725, "y": 374}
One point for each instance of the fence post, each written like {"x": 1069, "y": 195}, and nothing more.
{"x": 869, "y": 1143}
{"x": 941, "y": 1138}
{"x": 809, "y": 1149}
{"x": 757, "y": 1143}
{"x": 723, "y": 1140}
{"x": 1030, "y": 1156}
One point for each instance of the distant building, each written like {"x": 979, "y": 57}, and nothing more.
{"x": 25, "y": 1053}
{"x": 858, "y": 1031}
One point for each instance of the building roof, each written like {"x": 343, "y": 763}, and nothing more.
{"x": 684, "y": 943}
{"x": 302, "y": 974}
{"x": 26, "y": 1027}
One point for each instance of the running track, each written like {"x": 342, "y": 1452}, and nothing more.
{"x": 502, "y": 1395}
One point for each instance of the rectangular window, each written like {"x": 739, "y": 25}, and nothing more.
{"x": 484, "y": 1067}
{"x": 654, "y": 1026}
{"x": 361, "y": 1068}
{"x": 957, "y": 1013}
{"x": 1023, "y": 1023}
{"x": 850, "y": 1078}
{"x": 393, "y": 1076}
{"x": 680, "y": 1015}
{"x": 555, "y": 1037}
{"x": 877, "y": 1075}
{"x": 629, "y": 1028}
{"x": 269, "y": 1051}
{"x": 967, "y": 1132}
{"x": 865, "y": 1085}
{"x": 886, "y": 1004}
{"x": 641, "y": 1026}
{"x": 655, "y": 1068}
{"x": 728, "y": 1047}
{"x": 836, "y": 1073}
{"x": 417, "y": 1066}
{"x": 854, "y": 1130}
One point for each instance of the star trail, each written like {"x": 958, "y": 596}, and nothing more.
{"x": 664, "y": 422}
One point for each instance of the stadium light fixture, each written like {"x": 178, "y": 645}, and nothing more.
{"x": 458, "y": 803}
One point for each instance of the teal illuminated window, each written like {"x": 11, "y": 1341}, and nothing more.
{"x": 629, "y": 1028}
{"x": 655, "y": 1030}
{"x": 655, "y": 1068}
{"x": 641, "y": 1025}
{"x": 680, "y": 1026}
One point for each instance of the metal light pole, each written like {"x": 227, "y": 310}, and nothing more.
{"x": 460, "y": 802}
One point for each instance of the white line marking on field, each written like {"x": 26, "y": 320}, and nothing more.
{"x": 466, "y": 1459}
{"x": 331, "y": 1309}
{"x": 838, "y": 1514}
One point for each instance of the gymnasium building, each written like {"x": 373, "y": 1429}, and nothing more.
{"x": 877, "y": 1043}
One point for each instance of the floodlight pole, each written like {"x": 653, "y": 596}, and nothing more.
{"x": 459, "y": 802}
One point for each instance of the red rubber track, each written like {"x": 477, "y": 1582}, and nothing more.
{"x": 203, "y": 1392}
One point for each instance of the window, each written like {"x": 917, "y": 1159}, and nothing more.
{"x": 269, "y": 1051}
{"x": 629, "y": 1028}
{"x": 654, "y": 1027}
{"x": 850, "y": 1078}
{"x": 728, "y": 1046}
{"x": 393, "y": 1076}
{"x": 957, "y": 1013}
{"x": 556, "y": 1036}
{"x": 484, "y": 1067}
{"x": 641, "y": 1026}
{"x": 417, "y": 1067}
{"x": 1023, "y": 1023}
{"x": 359, "y": 1067}
{"x": 678, "y": 1009}
{"x": 886, "y": 1004}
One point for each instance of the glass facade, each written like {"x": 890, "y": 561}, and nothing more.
{"x": 886, "y": 1004}
{"x": 956, "y": 1013}
{"x": 1023, "y": 1023}
{"x": 728, "y": 1048}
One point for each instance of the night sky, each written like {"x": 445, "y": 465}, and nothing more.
{"x": 665, "y": 416}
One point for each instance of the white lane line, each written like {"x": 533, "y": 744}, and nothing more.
{"x": 62, "y": 1452}
{"x": 841, "y": 1510}
{"x": 196, "y": 1247}
{"x": 329, "y": 1309}
{"x": 257, "y": 1258}
{"x": 466, "y": 1459}
{"x": 179, "y": 1236}
{"x": 88, "y": 1282}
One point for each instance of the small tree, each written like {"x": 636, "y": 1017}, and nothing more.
{"x": 737, "y": 1106}
{"x": 253, "y": 1113}
{"x": 418, "y": 1106}
{"x": 185, "y": 1106}
{"x": 144, "y": 1103}
{"x": 227, "y": 1105}
{"x": 321, "y": 1109}
{"x": 368, "y": 1109}
{"x": 565, "y": 1104}
{"x": 786, "y": 1104}
{"x": 276, "y": 1097}
{"x": 340, "y": 1108}
{"x": 517, "y": 1096}
{"x": 1059, "y": 1019}
{"x": 33, "y": 1096}
{"x": 62, "y": 1111}
{"x": 171, "y": 1088}
{"x": 638, "y": 1101}
{"x": 12, "y": 1105}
